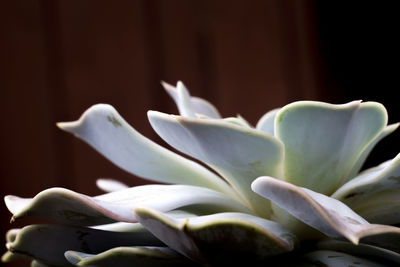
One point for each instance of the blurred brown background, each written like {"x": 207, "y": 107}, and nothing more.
{"x": 60, "y": 57}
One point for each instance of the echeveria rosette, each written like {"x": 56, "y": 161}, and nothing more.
{"x": 290, "y": 185}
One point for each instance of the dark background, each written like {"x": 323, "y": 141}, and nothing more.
{"x": 60, "y": 57}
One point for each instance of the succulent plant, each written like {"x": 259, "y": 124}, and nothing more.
{"x": 287, "y": 192}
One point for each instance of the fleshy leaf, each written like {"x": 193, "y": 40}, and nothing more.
{"x": 323, "y": 142}
{"x": 220, "y": 237}
{"x": 12, "y": 256}
{"x": 326, "y": 214}
{"x": 361, "y": 250}
{"x": 12, "y": 234}
{"x": 385, "y": 132}
{"x": 267, "y": 122}
{"x": 190, "y": 106}
{"x": 384, "y": 238}
{"x": 105, "y": 130}
{"x": 238, "y": 120}
{"x": 54, "y": 240}
{"x": 137, "y": 227}
{"x": 239, "y": 154}
{"x": 36, "y": 263}
{"x": 110, "y": 185}
{"x": 333, "y": 258}
{"x": 66, "y": 206}
{"x": 129, "y": 256}
{"x": 375, "y": 193}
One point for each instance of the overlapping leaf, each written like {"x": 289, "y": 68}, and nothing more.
{"x": 326, "y": 214}
{"x": 106, "y": 131}
{"x": 375, "y": 193}
{"x": 389, "y": 257}
{"x": 267, "y": 122}
{"x": 110, "y": 185}
{"x": 129, "y": 256}
{"x": 56, "y": 239}
{"x": 66, "y": 206}
{"x": 220, "y": 237}
{"x": 324, "y": 142}
{"x": 189, "y": 106}
{"x": 239, "y": 154}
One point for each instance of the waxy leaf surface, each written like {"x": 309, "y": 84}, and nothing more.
{"x": 239, "y": 154}
{"x": 328, "y": 215}
{"x": 323, "y": 142}
{"x": 375, "y": 193}
{"x": 54, "y": 240}
{"x": 106, "y": 131}
{"x": 189, "y": 106}
{"x": 129, "y": 256}
{"x": 219, "y": 237}
{"x": 66, "y": 206}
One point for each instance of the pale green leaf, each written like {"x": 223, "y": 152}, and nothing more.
{"x": 129, "y": 256}
{"x": 323, "y": 142}
{"x": 190, "y": 106}
{"x": 66, "y": 206}
{"x": 361, "y": 159}
{"x": 326, "y": 214}
{"x": 239, "y": 154}
{"x": 105, "y": 130}
{"x": 375, "y": 193}
{"x": 267, "y": 122}
{"x": 13, "y": 256}
{"x": 47, "y": 243}
{"x": 219, "y": 237}
{"x": 110, "y": 185}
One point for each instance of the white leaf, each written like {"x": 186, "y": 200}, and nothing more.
{"x": 323, "y": 142}
{"x": 375, "y": 193}
{"x": 105, "y": 130}
{"x": 65, "y": 206}
{"x": 219, "y": 238}
{"x": 190, "y": 106}
{"x": 239, "y": 154}
{"x": 326, "y": 214}
{"x": 110, "y": 185}
{"x": 267, "y": 122}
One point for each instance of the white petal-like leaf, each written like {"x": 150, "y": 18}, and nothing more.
{"x": 219, "y": 238}
{"x": 66, "y": 206}
{"x": 375, "y": 193}
{"x": 267, "y": 122}
{"x": 54, "y": 240}
{"x": 332, "y": 259}
{"x": 137, "y": 227}
{"x": 384, "y": 238}
{"x": 361, "y": 159}
{"x": 239, "y": 154}
{"x": 12, "y": 234}
{"x": 105, "y": 130}
{"x": 110, "y": 185}
{"x": 13, "y": 256}
{"x": 326, "y": 214}
{"x": 190, "y": 106}
{"x": 239, "y": 120}
{"x": 129, "y": 256}
{"x": 362, "y": 250}
{"x": 323, "y": 142}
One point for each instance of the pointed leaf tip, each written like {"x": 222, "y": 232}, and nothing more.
{"x": 325, "y": 214}
{"x": 102, "y": 127}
